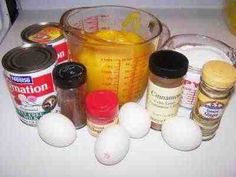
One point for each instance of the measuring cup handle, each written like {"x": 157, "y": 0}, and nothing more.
{"x": 164, "y": 36}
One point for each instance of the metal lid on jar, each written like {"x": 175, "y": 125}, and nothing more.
{"x": 168, "y": 64}
{"x": 69, "y": 75}
{"x": 102, "y": 105}
{"x": 43, "y": 33}
{"x": 29, "y": 58}
{"x": 219, "y": 74}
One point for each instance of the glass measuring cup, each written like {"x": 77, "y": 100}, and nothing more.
{"x": 114, "y": 43}
{"x": 200, "y": 46}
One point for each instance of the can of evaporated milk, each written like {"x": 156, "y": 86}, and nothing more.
{"x": 28, "y": 73}
{"x": 48, "y": 33}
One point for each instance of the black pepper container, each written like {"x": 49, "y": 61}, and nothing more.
{"x": 70, "y": 80}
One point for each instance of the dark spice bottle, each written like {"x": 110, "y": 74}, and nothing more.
{"x": 70, "y": 80}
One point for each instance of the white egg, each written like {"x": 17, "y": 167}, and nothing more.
{"x": 181, "y": 134}
{"x": 112, "y": 145}
{"x": 135, "y": 119}
{"x": 56, "y": 130}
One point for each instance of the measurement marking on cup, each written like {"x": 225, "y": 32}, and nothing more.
{"x": 118, "y": 82}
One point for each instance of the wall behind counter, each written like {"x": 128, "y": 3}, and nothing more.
{"x": 65, "y": 4}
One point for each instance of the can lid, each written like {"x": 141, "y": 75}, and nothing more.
{"x": 69, "y": 75}
{"x": 102, "y": 104}
{"x": 29, "y": 58}
{"x": 219, "y": 74}
{"x": 168, "y": 64}
{"x": 43, "y": 33}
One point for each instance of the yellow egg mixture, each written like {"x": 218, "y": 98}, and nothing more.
{"x": 115, "y": 60}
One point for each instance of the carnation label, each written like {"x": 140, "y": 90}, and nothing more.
{"x": 33, "y": 94}
{"x": 61, "y": 49}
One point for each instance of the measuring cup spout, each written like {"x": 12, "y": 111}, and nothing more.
{"x": 64, "y": 23}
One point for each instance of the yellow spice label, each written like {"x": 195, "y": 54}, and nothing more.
{"x": 96, "y": 129}
{"x": 162, "y": 103}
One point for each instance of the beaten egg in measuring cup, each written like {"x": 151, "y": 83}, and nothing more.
{"x": 114, "y": 43}
{"x": 120, "y": 66}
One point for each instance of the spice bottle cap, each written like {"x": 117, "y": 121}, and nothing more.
{"x": 168, "y": 64}
{"x": 219, "y": 74}
{"x": 69, "y": 75}
{"x": 102, "y": 105}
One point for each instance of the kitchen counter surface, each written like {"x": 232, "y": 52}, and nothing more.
{"x": 24, "y": 154}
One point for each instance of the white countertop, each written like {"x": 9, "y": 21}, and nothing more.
{"x": 24, "y": 154}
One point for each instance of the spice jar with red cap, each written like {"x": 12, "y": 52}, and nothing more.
{"x": 102, "y": 110}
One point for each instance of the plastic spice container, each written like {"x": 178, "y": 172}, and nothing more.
{"x": 217, "y": 82}
{"x": 167, "y": 69}
{"x": 70, "y": 79}
{"x": 102, "y": 110}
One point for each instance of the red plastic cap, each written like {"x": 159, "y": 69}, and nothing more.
{"x": 102, "y": 104}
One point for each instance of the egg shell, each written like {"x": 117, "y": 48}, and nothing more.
{"x": 135, "y": 119}
{"x": 112, "y": 145}
{"x": 181, "y": 134}
{"x": 56, "y": 129}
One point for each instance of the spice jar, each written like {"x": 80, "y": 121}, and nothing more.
{"x": 102, "y": 110}
{"x": 167, "y": 69}
{"x": 70, "y": 80}
{"x": 217, "y": 82}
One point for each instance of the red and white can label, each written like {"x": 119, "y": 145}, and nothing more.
{"x": 33, "y": 94}
{"x": 61, "y": 49}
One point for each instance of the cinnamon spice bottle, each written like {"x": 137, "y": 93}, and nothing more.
{"x": 165, "y": 84}
{"x": 70, "y": 80}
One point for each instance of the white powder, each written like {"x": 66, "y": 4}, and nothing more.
{"x": 199, "y": 55}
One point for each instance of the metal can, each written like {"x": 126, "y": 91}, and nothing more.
{"x": 48, "y": 33}
{"x": 28, "y": 73}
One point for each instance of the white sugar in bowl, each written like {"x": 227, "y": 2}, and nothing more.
{"x": 198, "y": 49}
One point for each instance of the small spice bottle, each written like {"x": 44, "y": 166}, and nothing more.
{"x": 70, "y": 80}
{"x": 102, "y": 110}
{"x": 165, "y": 83}
{"x": 217, "y": 82}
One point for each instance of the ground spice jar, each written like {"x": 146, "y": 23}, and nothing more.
{"x": 217, "y": 82}
{"x": 70, "y": 80}
{"x": 102, "y": 110}
{"x": 167, "y": 69}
